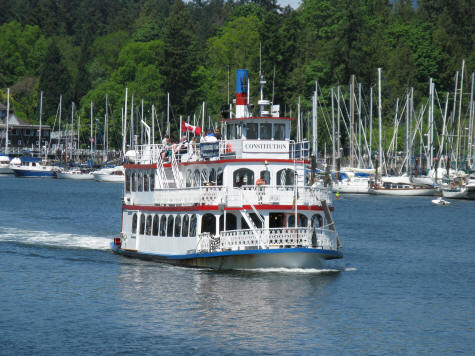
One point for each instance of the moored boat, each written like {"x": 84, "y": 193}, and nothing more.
{"x": 5, "y": 165}
{"x": 33, "y": 167}
{"x": 238, "y": 202}
{"x": 114, "y": 174}
{"x": 402, "y": 189}
{"x": 75, "y": 174}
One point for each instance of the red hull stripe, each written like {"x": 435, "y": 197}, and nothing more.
{"x": 216, "y": 207}
{"x": 243, "y": 160}
{"x": 140, "y": 166}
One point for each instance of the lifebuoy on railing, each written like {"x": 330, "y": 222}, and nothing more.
{"x": 229, "y": 148}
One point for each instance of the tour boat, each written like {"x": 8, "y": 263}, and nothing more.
{"x": 114, "y": 174}
{"x": 240, "y": 202}
{"x": 33, "y": 167}
{"x": 75, "y": 174}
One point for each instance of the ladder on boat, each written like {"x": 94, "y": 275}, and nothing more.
{"x": 179, "y": 181}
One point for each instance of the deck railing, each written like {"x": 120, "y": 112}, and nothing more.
{"x": 283, "y": 237}
{"x": 237, "y": 197}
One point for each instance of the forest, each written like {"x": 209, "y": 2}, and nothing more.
{"x": 83, "y": 50}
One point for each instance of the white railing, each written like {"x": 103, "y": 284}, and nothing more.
{"x": 284, "y": 237}
{"x": 238, "y": 197}
{"x": 146, "y": 154}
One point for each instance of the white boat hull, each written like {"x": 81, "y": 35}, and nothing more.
{"x": 252, "y": 259}
{"x": 104, "y": 177}
{"x": 351, "y": 189}
{"x": 5, "y": 170}
{"x": 404, "y": 192}
{"x": 455, "y": 194}
{"x": 75, "y": 176}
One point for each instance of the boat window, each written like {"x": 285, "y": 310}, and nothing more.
{"x": 204, "y": 176}
{"x": 231, "y": 222}
{"x": 148, "y": 228}
{"x": 163, "y": 225}
{"x": 276, "y": 220}
{"x": 146, "y": 182}
{"x": 193, "y": 223}
{"x": 303, "y": 220}
{"x": 142, "y": 224}
{"x": 219, "y": 177}
{"x": 188, "y": 178}
{"x": 140, "y": 182}
{"x": 178, "y": 226}
{"x": 212, "y": 176}
{"x": 134, "y": 224}
{"x": 279, "y": 131}
{"x": 291, "y": 221}
{"x": 254, "y": 219}
{"x": 266, "y": 131}
{"x": 265, "y": 175}
{"x": 134, "y": 180}
{"x": 238, "y": 131}
{"x": 196, "y": 178}
{"x": 208, "y": 224}
{"x": 127, "y": 181}
{"x": 230, "y": 132}
{"x": 170, "y": 221}
{"x": 317, "y": 220}
{"x": 184, "y": 228}
{"x": 152, "y": 181}
{"x": 155, "y": 225}
{"x": 285, "y": 177}
{"x": 251, "y": 131}
{"x": 243, "y": 176}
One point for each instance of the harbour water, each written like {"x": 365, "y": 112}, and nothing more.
{"x": 405, "y": 286}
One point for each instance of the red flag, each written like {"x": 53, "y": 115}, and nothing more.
{"x": 187, "y": 127}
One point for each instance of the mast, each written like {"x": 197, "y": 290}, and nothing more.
{"x": 333, "y": 133}
{"x": 60, "y": 107}
{"x": 406, "y": 143}
{"x": 106, "y": 140}
{"x": 132, "y": 147}
{"x": 7, "y": 119}
{"x": 314, "y": 121}
{"x": 458, "y": 119}
{"x": 91, "y": 138}
{"x": 371, "y": 125}
{"x": 124, "y": 124}
{"x": 41, "y": 109}
{"x": 352, "y": 123}
{"x": 359, "y": 123}
{"x": 470, "y": 125}
{"x": 430, "y": 132}
{"x": 379, "y": 121}
{"x": 168, "y": 114}
{"x": 338, "y": 122}
{"x": 153, "y": 124}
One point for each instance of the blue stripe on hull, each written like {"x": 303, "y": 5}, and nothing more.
{"x": 33, "y": 174}
{"x": 284, "y": 257}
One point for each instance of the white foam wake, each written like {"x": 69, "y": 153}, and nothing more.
{"x": 54, "y": 239}
{"x": 292, "y": 270}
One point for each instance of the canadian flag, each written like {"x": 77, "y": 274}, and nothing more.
{"x": 187, "y": 127}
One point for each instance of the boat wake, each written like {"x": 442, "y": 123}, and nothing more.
{"x": 54, "y": 239}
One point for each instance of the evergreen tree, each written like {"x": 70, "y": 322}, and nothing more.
{"x": 55, "y": 80}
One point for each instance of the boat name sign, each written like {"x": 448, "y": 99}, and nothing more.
{"x": 266, "y": 146}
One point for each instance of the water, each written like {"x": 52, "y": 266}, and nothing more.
{"x": 405, "y": 286}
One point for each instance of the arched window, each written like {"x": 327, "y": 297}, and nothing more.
{"x": 193, "y": 224}
{"x": 134, "y": 182}
{"x": 163, "y": 225}
{"x": 148, "y": 227}
{"x": 142, "y": 224}
{"x": 185, "y": 226}
{"x": 208, "y": 224}
{"x": 212, "y": 176}
{"x": 276, "y": 220}
{"x": 178, "y": 226}
{"x": 134, "y": 224}
{"x": 127, "y": 180}
{"x": 303, "y": 220}
{"x": 265, "y": 175}
{"x": 219, "y": 177}
{"x": 170, "y": 225}
{"x": 255, "y": 220}
{"x": 152, "y": 181}
{"x": 196, "y": 178}
{"x": 155, "y": 225}
{"x": 189, "y": 178}
{"x": 243, "y": 176}
{"x": 231, "y": 222}
{"x": 204, "y": 176}
{"x": 317, "y": 220}
{"x": 285, "y": 177}
{"x": 140, "y": 182}
{"x": 146, "y": 182}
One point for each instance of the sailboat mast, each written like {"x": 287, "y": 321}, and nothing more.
{"x": 371, "y": 125}
{"x": 379, "y": 121}
{"x": 7, "y": 119}
{"x": 333, "y": 134}
{"x": 124, "y": 124}
{"x": 41, "y": 112}
{"x": 90, "y": 137}
{"x": 458, "y": 119}
{"x": 470, "y": 125}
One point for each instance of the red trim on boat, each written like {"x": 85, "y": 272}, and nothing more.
{"x": 216, "y": 207}
{"x": 140, "y": 166}
{"x": 239, "y": 160}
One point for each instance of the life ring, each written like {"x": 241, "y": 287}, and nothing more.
{"x": 229, "y": 148}
{"x": 260, "y": 181}
{"x": 453, "y": 184}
